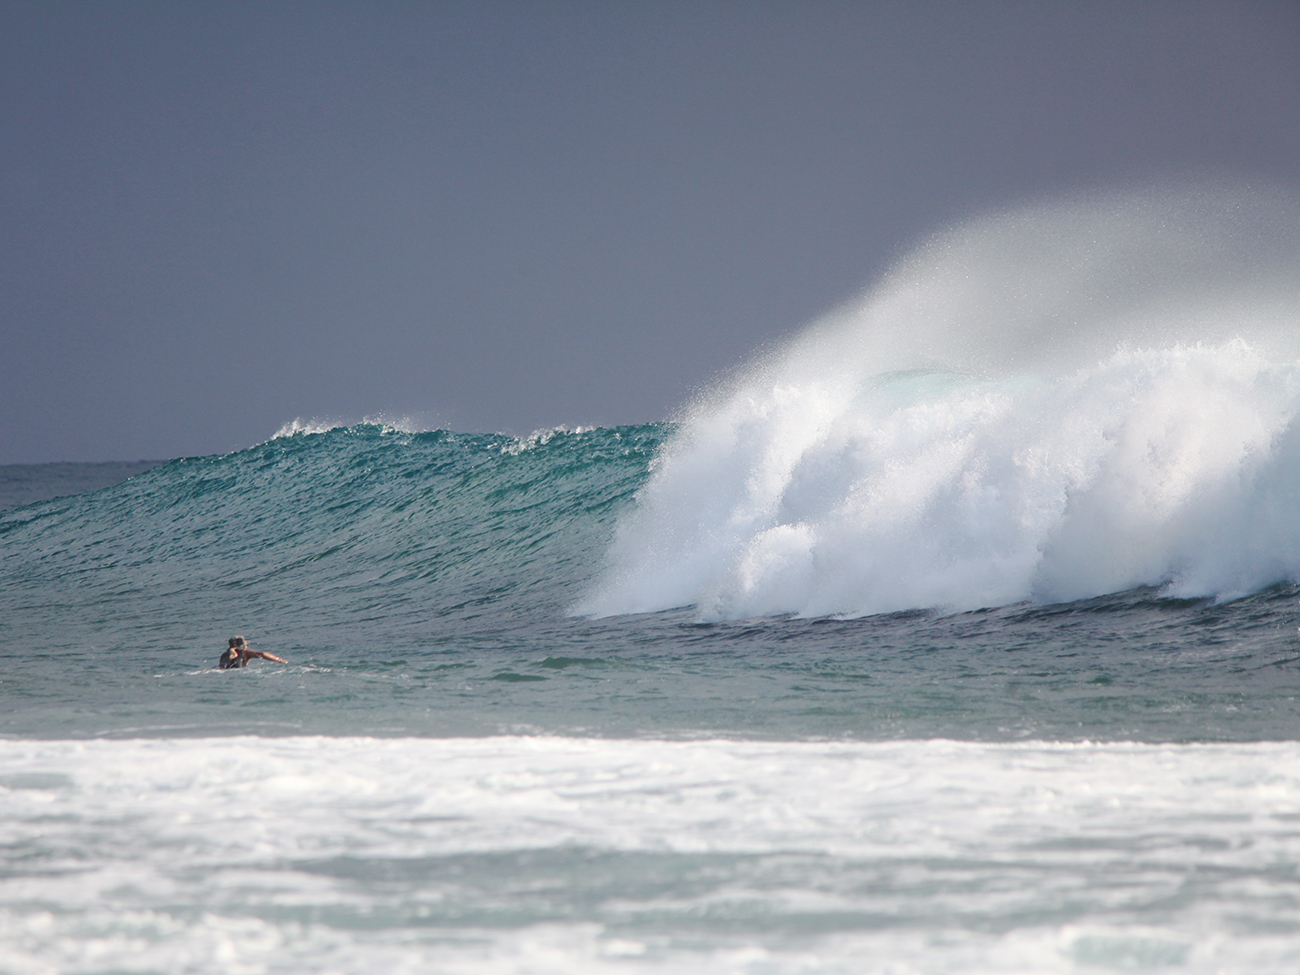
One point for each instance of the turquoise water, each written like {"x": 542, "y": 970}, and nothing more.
{"x": 959, "y": 634}
{"x": 423, "y": 584}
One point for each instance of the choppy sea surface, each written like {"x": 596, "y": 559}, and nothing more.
{"x": 866, "y": 663}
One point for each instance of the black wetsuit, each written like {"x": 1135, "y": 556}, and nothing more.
{"x": 232, "y": 658}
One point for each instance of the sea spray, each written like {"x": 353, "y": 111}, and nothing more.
{"x": 1051, "y": 404}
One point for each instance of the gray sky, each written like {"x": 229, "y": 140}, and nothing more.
{"x": 216, "y": 217}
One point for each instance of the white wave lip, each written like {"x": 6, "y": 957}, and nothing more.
{"x": 362, "y": 855}
{"x": 388, "y": 423}
{"x": 1058, "y": 403}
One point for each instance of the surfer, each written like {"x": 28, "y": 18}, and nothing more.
{"x": 239, "y": 653}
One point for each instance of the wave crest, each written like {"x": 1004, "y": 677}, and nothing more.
{"x": 389, "y": 424}
{"x": 1047, "y": 405}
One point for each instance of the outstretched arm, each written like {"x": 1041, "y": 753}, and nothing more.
{"x": 267, "y": 656}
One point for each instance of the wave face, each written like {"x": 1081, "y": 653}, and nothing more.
{"x": 422, "y": 584}
{"x": 1053, "y": 404}
{"x": 362, "y": 533}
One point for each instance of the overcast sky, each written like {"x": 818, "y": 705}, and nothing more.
{"x": 217, "y": 217}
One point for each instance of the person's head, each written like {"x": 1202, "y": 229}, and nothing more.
{"x": 238, "y": 643}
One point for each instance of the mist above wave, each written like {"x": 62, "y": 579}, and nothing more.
{"x": 1053, "y": 403}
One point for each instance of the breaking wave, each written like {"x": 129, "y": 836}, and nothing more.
{"x": 1059, "y": 402}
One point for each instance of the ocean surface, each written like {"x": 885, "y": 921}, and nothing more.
{"x": 946, "y": 638}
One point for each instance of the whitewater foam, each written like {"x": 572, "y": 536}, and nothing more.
{"x": 542, "y": 437}
{"x": 386, "y": 422}
{"x": 1051, "y": 404}
{"x": 578, "y": 855}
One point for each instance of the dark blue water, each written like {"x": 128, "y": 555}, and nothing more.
{"x": 22, "y": 484}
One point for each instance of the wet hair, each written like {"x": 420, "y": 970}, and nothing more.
{"x": 238, "y": 641}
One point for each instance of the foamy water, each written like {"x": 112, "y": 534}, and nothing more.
{"x": 1049, "y": 405}
{"x": 573, "y": 855}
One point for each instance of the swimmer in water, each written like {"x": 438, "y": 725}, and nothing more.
{"x": 239, "y": 653}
